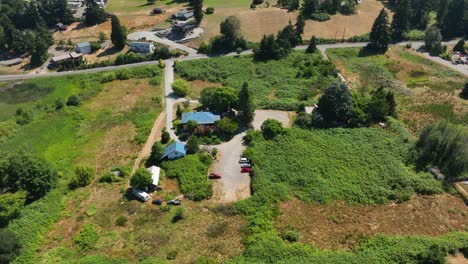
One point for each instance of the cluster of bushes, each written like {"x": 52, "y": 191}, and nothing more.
{"x": 230, "y": 39}
{"x": 284, "y": 84}
{"x": 321, "y": 11}
{"x": 129, "y": 73}
{"x": 117, "y": 174}
{"x": 191, "y": 172}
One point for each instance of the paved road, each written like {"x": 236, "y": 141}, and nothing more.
{"x": 170, "y": 96}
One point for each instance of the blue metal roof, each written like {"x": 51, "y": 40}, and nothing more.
{"x": 83, "y": 44}
{"x": 202, "y": 118}
{"x": 174, "y": 147}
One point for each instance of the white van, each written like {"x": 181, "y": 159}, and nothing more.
{"x": 140, "y": 195}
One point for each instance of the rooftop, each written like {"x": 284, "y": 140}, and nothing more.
{"x": 174, "y": 147}
{"x": 154, "y": 170}
{"x": 83, "y": 44}
{"x": 202, "y": 118}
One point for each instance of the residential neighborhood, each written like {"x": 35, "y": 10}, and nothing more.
{"x": 311, "y": 131}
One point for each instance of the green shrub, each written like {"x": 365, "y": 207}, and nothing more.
{"x": 87, "y": 238}
{"x": 73, "y": 100}
{"x": 178, "y": 215}
{"x": 121, "y": 221}
{"x": 320, "y": 16}
{"x": 217, "y": 229}
{"x": 9, "y": 246}
{"x": 180, "y": 87}
{"x": 171, "y": 255}
{"x": 83, "y": 177}
{"x": 155, "y": 81}
{"x": 190, "y": 172}
{"x": 290, "y": 235}
{"x": 209, "y": 10}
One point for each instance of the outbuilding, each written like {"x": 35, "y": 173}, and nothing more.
{"x": 155, "y": 171}
{"x": 83, "y": 48}
{"x": 141, "y": 47}
{"x": 184, "y": 14}
{"x": 174, "y": 151}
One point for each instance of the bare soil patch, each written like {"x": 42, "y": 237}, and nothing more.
{"x": 339, "y": 226}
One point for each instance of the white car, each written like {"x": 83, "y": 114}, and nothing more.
{"x": 140, "y": 195}
{"x": 244, "y": 160}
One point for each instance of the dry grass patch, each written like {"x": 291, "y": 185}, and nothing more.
{"x": 197, "y": 86}
{"x": 339, "y": 226}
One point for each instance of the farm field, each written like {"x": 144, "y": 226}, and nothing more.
{"x": 425, "y": 91}
{"x": 97, "y": 133}
{"x": 282, "y": 84}
{"x": 263, "y": 20}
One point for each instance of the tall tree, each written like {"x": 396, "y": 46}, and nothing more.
{"x": 442, "y": 14}
{"x": 268, "y": 48}
{"x": 94, "y": 14}
{"x": 335, "y": 105}
{"x": 197, "y": 6}
{"x": 464, "y": 92}
{"x": 309, "y": 7}
{"x": 453, "y": 25}
{"x": 400, "y": 22}
{"x": 460, "y": 46}
{"x": 246, "y": 105}
{"x": 193, "y": 146}
{"x": 312, "y": 45}
{"x": 219, "y": 99}
{"x": 299, "y": 28}
{"x": 9, "y": 246}
{"x": 287, "y": 38}
{"x": 433, "y": 40}
{"x": 380, "y": 32}
{"x": 141, "y": 179}
{"x": 118, "y": 34}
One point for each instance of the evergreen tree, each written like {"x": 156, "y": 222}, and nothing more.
{"x": 246, "y": 105}
{"x": 293, "y": 5}
{"x": 453, "y": 25}
{"x": 118, "y": 34}
{"x": 391, "y": 104}
{"x": 94, "y": 14}
{"x": 400, "y": 22}
{"x": 287, "y": 38}
{"x": 197, "y": 6}
{"x": 442, "y": 14}
{"x": 433, "y": 40}
{"x": 464, "y": 92}
{"x": 299, "y": 28}
{"x": 268, "y": 48}
{"x": 312, "y": 45}
{"x": 309, "y": 7}
{"x": 380, "y": 33}
{"x": 192, "y": 146}
{"x": 460, "y": 46}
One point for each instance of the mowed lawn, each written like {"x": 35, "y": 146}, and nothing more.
{"x": 426, "y": 91}
{"x": 130, "y": 6}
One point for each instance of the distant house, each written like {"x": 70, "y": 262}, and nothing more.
{"x": 202, "y": 118}
{"x": 182, "y": 28}
{"x": 60, "y": 27}
{"x": 83, "y": 48}
{"x": 437, "y": 173}
{"x": 155, "y": 171}
{"x": 141, "y": 47}
{"x": 73, "y": 56}
{"x": 174, "y": 151}
{"x": 183, "y": 15}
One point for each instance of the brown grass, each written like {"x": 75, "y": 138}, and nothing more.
{"x": 338, "y": 226}
{"x": 197, "y": 86}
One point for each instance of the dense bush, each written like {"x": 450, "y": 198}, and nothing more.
{"x": 9, "y": 246}
{"x": 180, "y": 87}
{"x": 320, "y": 16}
{"x": 446, "y": 146}
{"x": 141, "y": 179}
{"x": 129, "y": 58}
{"x": 282, "y": 84}
{"x": 10, "y": 206}
{"x": 73, "y": 100}
{"x": 357, "y": 166}
{"x": 121, "y": 220}
{"x": 190, "y": 172}
{"x": 84, "y": 175}
{"x": 178, "y": 215}
{"x": 209, "y": 10}
{"x": 87, "y": 237}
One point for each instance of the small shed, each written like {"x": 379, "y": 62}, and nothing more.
{"x": 155, "y": 171}
{"x": 83, "y": 48}
{"x": 202, "y": 118}
{"x": 183, "y": 15}
{"x": 141, "y": 47}
{"x": 174, "y": 151}
{"x": 437, "y": 173}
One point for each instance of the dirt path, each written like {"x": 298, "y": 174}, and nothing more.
{"x": 155, "y": 131}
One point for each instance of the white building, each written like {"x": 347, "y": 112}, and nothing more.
{"x": 83, "y": 48}
{"x": 141, "y": 47}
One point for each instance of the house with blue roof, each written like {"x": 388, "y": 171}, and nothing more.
{"x": 202, "y": 118}
{"x": 174, "y": 151}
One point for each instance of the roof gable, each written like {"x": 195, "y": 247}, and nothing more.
{"x": 172, "y": 148}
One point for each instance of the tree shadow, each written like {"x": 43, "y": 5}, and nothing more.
{"x": 369, "y": 51}
{"x": 108, "y": 52}
{"x": 147, "y": 4}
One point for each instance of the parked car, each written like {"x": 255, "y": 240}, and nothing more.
{"x": 174, "y": 202}
{"x": 246, "y": 165}
{"x": 158, "y": 11}
{"x": 140, "y": 195}
{"x": 244, "y": 160}
{"x": 245, "y": 170}
{"x": 215, "y": 175}
{"x": 157, "y": 202}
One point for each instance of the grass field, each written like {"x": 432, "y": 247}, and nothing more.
{"x": 97, "y": 133}
{"x": 426, "y": 91}
{"x": 282, "y": 84}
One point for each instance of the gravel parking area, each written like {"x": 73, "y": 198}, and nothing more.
{"x": 234, "y": 185}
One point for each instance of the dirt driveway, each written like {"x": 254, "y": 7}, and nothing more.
{"x": 234, "y": 185}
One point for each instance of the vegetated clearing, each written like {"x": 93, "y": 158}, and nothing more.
{"x": 295, "y": 79}
{"x": 92, "y": 133}
{"x": 426, "y": 91}
{"x": 340, "y": 226}
{"x": 263, "y": 20}
{"x": 358, "y": 166}
{"x": 197, "y": 86}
